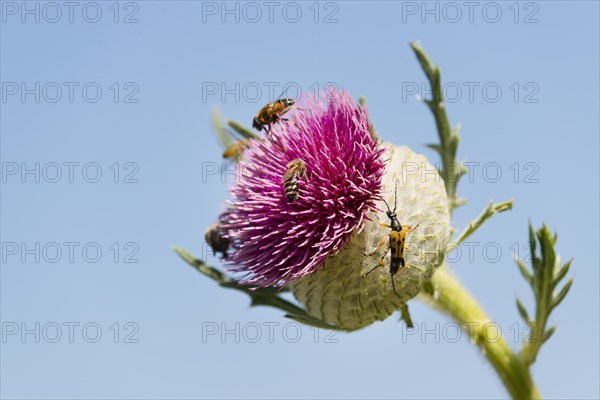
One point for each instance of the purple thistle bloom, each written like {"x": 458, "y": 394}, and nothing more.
{"x": 276, "y": 241}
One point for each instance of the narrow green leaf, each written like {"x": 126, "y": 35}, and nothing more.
{"x": 267, "y": 296}
{"x": 448, "y": 136}
{"x": 525, "y": 272}
{"x": 457, "y": 202}
{"x": 453, "y": 140}
{"x": 549, "y": 333}
{"x": 532, "y": 243}
{"x": 489, "y": 211}
{"x": 187, "y": 257}
{"x": 438, "y": 97}
{"x": 258, "y": 301}
{"x": 314, "y": 322}
{"x": 428, "y": 288}
{"x": 241, "y": 129}
{"x": 548, "y": 254}
{"x": 362, "y": 101}
{"x": 463, "y": 170}
{"x": 561, "y": 295}
{"x": 561, "y": 273}
{"x": 406, "y": 316}
{"x": 504, "y": 206}
{"x": 426, "y": 64}
{"x": 200, "y": 265}
{"x": 522, "y": 311}
{"x": 435, "y": 147}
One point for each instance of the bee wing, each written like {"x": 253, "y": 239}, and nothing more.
{"x": 287, "y": 175}
{"x": 266, "y": 111}
{"x": 296, "y": 170}
{"x": 303, "y": 173}
{"x": 284, "y": 110}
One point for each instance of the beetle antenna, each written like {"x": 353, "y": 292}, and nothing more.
{"x": 395, "y": 194}
{"x": 386, "y": 204}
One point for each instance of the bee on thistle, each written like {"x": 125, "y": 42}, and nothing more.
{"x": 236, "y": 150}
{"x": 235, "y": 143}
{"x": 397, "y": 238}
{"x": 296, "y": 169}
{"x": 271, "y": 114}
{"x": 215, "y": 240}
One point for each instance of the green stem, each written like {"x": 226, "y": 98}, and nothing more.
{"x": 451, "y": 170}
{"x": 477, "y": 222}
{"x": 452, "y": 299}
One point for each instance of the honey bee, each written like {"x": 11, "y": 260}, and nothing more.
{"x": 234, "y": 143}
{"x": 396, "y": 238}
{"x": 215, "y": 240}
{"x": 236, "y": 150}
{"x": 296, "y": 169}
{"x": 271, "y": 114}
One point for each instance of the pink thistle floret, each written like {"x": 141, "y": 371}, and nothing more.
{"x": 276, "y": 241}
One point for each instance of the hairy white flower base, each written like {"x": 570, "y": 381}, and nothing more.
{"x": 339, "y": 293}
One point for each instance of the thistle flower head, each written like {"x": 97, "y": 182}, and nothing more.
{"x": 276, "y": 241}
{"x": 343, "y": 294}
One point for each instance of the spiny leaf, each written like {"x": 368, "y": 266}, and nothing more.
{"x": 314, "y": 322}
{"x": 428, "y": 288}
{"x": 489, "y": 211}
{"x": 448, "y": 136}
{"x": 561, "y": 295}
{"x": 504, "y": 206}
{"x": 200, "y": 265}
{"x": 522, "y": 311}
{"x": 435, "y": 147}
{"x": 561, "y": 273}
{"x": 525, "y": 272}
{"x": 547, "y": 273}
{"x": 549, "y": 333}
{"x": 457, "y": 202}
{"x": 437, "y": 89}
{"x": 426, "y": 64}
{"x": 241, "y": 129}
{"x": 532, "y": 243}
{"x": 266, "y": 296}
{"x": 406, "y": 316}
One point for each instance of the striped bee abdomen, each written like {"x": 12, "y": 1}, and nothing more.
{"x": 290, "y": 189}
{"x": 296, "y": 169}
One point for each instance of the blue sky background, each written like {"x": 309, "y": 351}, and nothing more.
{"x": 169, "y": 57}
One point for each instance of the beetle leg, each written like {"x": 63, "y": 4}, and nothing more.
{"x": 377, "y": 248}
